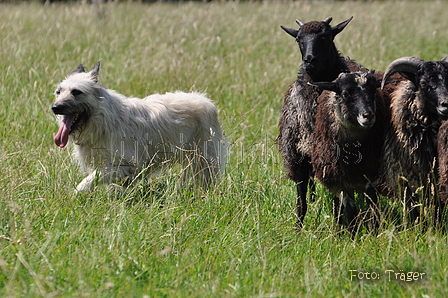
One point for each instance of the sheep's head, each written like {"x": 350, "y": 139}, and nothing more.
{"x": 315, "y": 40}
{"x": 355, "y": 97}
{"x": 430, "y": 80}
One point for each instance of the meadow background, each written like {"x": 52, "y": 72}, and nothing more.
{"x": 235, "y": 240}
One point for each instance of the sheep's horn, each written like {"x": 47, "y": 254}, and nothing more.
{"x": 402, "y": 65}
{"x": 290, "y": 31}
{"x": 445, "y": 58}
{"x": 328, "y": 20}
{"x": 300, "y": 23}
{"x": 339, "y": 27}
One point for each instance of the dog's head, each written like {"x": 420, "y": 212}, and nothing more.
{"x": 76, "y": 97}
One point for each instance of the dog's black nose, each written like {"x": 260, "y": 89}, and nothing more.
{"x": 56, "y": 109}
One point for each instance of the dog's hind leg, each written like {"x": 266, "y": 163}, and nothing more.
{"x": 207, "y": 163}
{"x": 194, "y": 169}
{"x": 205, "y": 170}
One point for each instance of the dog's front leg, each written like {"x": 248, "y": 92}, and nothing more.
{"x": 86, "y": 184}
{"x": 107, "y": 175}
{"x": 102, "y": 175}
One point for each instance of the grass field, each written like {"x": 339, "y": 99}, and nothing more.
{"x": 236, "y": 240}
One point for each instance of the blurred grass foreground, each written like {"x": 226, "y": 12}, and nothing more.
{"x": 235, "y": 240}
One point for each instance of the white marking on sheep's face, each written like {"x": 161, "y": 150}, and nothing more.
{"x": 362, "y": 81}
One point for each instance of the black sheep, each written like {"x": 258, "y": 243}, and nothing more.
{"x": 321, "y": 61}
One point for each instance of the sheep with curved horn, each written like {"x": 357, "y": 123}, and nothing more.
{"x": 410, "y": 150}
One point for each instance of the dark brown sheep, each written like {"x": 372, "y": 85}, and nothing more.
{"x": 351, "y": 121}
{"x": 442, "y": 153}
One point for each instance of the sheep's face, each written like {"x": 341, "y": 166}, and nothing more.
{"x": 431, "y": 81}
{"x": 315, "y": 40}
{"x": 355, "y": 98}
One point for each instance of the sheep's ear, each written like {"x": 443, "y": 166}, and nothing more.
{"x": 330, "y": 86}
{"x": 339, "y": 27}
{"x": 292, "y": 32}
{"x": 79, "y": 69}
{"x": 409, "y": 76}
{"x": 94, "y": 73}
{"x": 378, "y": 81}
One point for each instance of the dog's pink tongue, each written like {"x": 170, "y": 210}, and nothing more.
{"x": 61, "y": 138}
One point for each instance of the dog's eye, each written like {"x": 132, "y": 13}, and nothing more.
{"x": 76, "y": 92}
{"x": 57, "y": 92}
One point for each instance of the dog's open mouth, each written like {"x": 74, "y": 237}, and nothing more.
{"x": 69, "y": 124}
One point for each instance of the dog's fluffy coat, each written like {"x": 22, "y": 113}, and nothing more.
{"x": 115, "y": 137}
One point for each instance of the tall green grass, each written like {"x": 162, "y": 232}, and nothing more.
{"x": 235, "y": 240}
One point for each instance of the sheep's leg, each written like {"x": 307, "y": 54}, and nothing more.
{"x": 414, "y": 209}
{"x": 337, "y": 209}
{"x": 297, "y": 163}
{"x": 372, "y": 201}
{"x": 437, "y": 204}
{"x": 412, "y": 206}
{"x": 312, "y": 189}
{"x": 351, "y": 211}
{"x": 438, "y": 216}
{"x": 301, "y": 172}
{"x": 301, "y": 207}
{"x": 442, "y": 201}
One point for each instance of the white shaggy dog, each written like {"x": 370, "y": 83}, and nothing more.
{"x": 116, "y": 137}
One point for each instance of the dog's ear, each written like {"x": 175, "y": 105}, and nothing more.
{"x": 79, "y": 69}
{"x": 95, "y": 71}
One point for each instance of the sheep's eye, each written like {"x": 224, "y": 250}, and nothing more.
{"x": 423, "y": 84}
{"x": 76, "y": 92}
